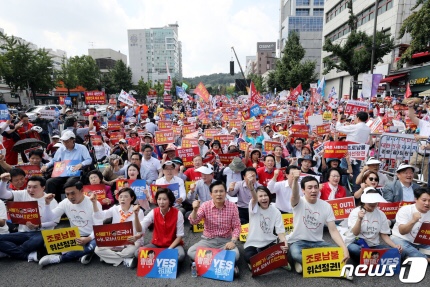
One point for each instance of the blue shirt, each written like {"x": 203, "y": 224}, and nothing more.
{"x": 79, "y": 152}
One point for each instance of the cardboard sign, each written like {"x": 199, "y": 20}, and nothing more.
{"x": 342, "y": 207}
{"x": 389, "y": 209}
{"x": 227, "y": 158}
{"x": 353, "y": 107}
{"x": 98, "y": 189}
{"x": 288, "y": 222}
{"x": 186, "y": 142}
{"x": 270, "y": 145}
{"x": 381, "y": 257}
{"x": 30, "y": 170}
{"x": 126, "y": 98}
{"x": 224, "y": 139}
{"x": 157, "y": 263}
{"x": 164, "y": 125}
{"x": 164, "y": 137}
{"x": 187, "y": 155}
{"x": 188, "y": 129}
{"x": 61, "y": 240}
{"x": 244, "y": 229}
{"x": 210, "y": 133}
{"x": 114, "y": 126}
{"x": 235, "y": 124}
{"x": 115, "y": 137}
{"x": 23, "y": 211}
{"x": 174, "y": 187}
{"x": 109, "y": 235}
{"x": 423, "y": 235}
{"x": 64, "y": 168}
{"x": 215, "y": 263}
{"x": 299, "y": 131}
{"x": 323, "y": 129}
{"x": 95, "y": 97}
{"x": 335, "y": 149}
{"x": 358, "y": 151}
{"x": 199, "y": 227}
{"x": 322, "y": 262}
{"x": 268, "y": 259}
{"x": 315, "y": 120}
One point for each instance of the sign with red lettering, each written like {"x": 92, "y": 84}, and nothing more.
{"x": 268, "y": 259}
{"x": 389, "y": 209}
{"x": 114, "y": 126}
{"x": 335, "y": 149}
{"x": 270, "y": 145}
{"x": 253, "y": 126}
{"x": 165, "y": 125}
{"x": 227, "y": 158}
{"x": 117, "y": 234}
{"x": 115, "y": 137}
{"x": 243, "y": 146}
{"x": 95, "y": 97}
{"x": 353, "y": 107}
{"x": 224, "y": 139}
{"x": 323, "y": 129}
{"x": 98, "y": 189}
{"x": 342, "y": 207}
{"x": 188, "y": 129}
{"x": 187, "y": 155}
{"x": 30, "y": 170}
{"x": 210, "y": 133}
{"x": 299, "y": 131}
{"x": 235, "y": 124}
{"x": 23, "y": 211}
{"x": 176, "y": 130}
{"x": 189, "y": 142}
{"x": 423, "y": 236}
{"x": 96, "y": 140}
{"x": 164, "y": 137}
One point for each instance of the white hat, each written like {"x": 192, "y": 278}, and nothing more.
{"x": 67, "y": 135}
{"x": 372, "y": 160}
{"x": 233, "y": 130}
{"x": 209, "y": 169}
{"x": 103, "y": 127}
{"x": 276, "y": 135}
{"x": 169, "y": 162}
{"x": 202, "y": 139}
{"x": 148, "y": 135}
{"x": 371, "y": 197}
{"x": 232, "y": 143}
{"x": 58, "y": 144}
{"x": 403, "y": 166}
{"x": 55, "y": 136}
{"x": 122, "y": 141}
{"x": 147, "y": 120}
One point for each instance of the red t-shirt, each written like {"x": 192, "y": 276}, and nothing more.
{"x": 192, "y": 175}
{"x": 259, "y": 164}
{"x": 264, "y": 177}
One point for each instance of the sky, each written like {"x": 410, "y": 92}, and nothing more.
{"x": 207, "y": 28}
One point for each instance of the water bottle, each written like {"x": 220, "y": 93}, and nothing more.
{"x": 194, "y": 270}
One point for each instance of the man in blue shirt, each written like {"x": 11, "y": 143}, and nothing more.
{"x": 69, "y": 151}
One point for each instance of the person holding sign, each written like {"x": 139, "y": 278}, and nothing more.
{"x": 168, "y": 224}
{"x": 283, "y": 190}
{"x": 409, "y": 219}
{"x": 169, "y": 178}
{"x": 263, "y": 219}
{"x": 266, "y": 173}
{"x": 200, "y": 189}
{"x": 123, "y": 212}
{"x": 79, "y": 209}
{"x": 96, "y": 177}
{"x": 367, "y": 223}
{"x": 25, "y": 243}
{"x": 222, "y": 223}
{"x": 311, "y": 214}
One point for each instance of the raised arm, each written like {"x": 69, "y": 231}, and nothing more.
{"x": 295, "y": 197}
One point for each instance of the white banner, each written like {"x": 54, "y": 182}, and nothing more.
{"x": 392, "y": 147}
{"x": 49, "y": 114}
{"x": 126, "y": 98}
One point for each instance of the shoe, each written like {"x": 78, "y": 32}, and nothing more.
{"x": 349, "y": 277}
{"x": 132, "y": 263}
{"x": 33, "y": 257}
{"x": 49, "y": 259}
{"x": 298, "y": 267}
{"x": 249, "y": 267}
{"x": 87, "y": 258}
{"x": 236, "y": 272}
{"x": 3, "y": 255}
{"x": 287, "y": 267}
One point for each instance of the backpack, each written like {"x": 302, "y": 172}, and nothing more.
{"x": 78, "y": 139}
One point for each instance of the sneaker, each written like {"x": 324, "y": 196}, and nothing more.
{"x": 3, "y": 255}
{"x": 87, "y": 258}
{"x": 298, "y": 267}
{"x": 287, "y": 267}
{"x": 349, "y": 277}
{"x": 132, "y": 263}
{"x": 236, "y": 271}
{"x": 49, "y": 259}
{"x": 33, "y": 257}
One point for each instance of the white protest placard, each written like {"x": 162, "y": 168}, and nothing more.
{"x": 319, "y": 150}
{"x": 400, "y": 145}
{"x": 358, "y": 151}
{"x": 315, "y": 120}
{"x": 48, "y": 114}
{"x": 126, "y": 98}
{"x": 399, "y": 124}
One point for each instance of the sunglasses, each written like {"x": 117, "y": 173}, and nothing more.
{"x": 373, "y": 179}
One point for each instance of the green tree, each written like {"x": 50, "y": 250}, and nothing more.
{"x": 68, "y": 74}
{"x": 107, "y": 84}
{"x": 355, "y": 55}
{"x": 41, "y": 76}
{"x": 142, "y": 90}
{"x": 229, "y": 90}
{"x": 87, "y": 71}
{"x": 271, "y": 82}
{"x": 418, "y": 26}
{"x": 257, "y": 80}
{"x": 121, "y": 76}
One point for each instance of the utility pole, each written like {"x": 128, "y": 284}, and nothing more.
{"x": 375, "y": 23}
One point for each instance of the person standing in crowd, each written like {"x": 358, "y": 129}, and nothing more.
{"x": 151, "y": 165}
{"x": 169, "y": 178}
{"x": 44, "y": 124}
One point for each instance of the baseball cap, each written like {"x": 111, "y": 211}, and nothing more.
{"x": 169, "y": 162}
{"x": 55, "y": 136}
{"x": 372, "y": 160}
{"x": 67, "y": 135}
{"x": 122, "y": 141}
{"x": 206, "y": 169}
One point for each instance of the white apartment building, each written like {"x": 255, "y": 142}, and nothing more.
{"x": 391, "y": 15}
{"x": 250, "y": 65}
{"x": 150, "y": 49}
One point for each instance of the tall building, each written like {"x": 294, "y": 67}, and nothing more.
{"x": 106, "y": 58}
{"x": 391, "y": 15}
{"x": 250, "y": 65}
{"x": 266, "y": 57}
{"x": 306, "y": 18}
{"x": 57, "y": 57}
{"x": 150, "y": 50}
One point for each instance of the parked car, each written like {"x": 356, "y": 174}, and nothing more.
{"x": 32, "y": 112}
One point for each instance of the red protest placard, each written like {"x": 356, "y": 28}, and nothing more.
{"x": 176, "y": 130}
{"x": 323, "y": 129}
{"x": 268, "y": 259}
{"x": 227, "y": 158}
{"x": 389, "y": 208}
{"x": 235, "y": 124}
{"x": 270, "y": 145}
{"x": 423, "y": 236}
{"x": 243, "y": 146}
{"x": 253, "y": 126}
{"x": 115, "y": 137}
{"x": 210, "y": 133}
{"x": 95, "y": 97}
{"x": 335, "y": 149}
{"x": 187, "y": 155}
{"x": 403, "y": 203}
{"x": 188, "y": 129}
{"x": 189, "y": 142}
{"x": 164, "y": 137}
{"x": 23, "y": 211}
{"x": 30, "y": 170}
{"x": 116, "y": 234}
{"x": 224, "y": 139}
{"x": 114, "y": 126}
{"x": 299, "y": 131}
{"x": 246, "y": 114}
{"x": 353, "y": 107}
{"x": 165, "y": 125}
{"x": 98, "y": 189}
{"x": 96, "y": 140}
{"x": 342, "y": 207}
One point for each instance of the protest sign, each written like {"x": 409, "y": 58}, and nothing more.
{"x": 186, "y": 143}
{"x": 176, "y": 130}
{"x": 215, "y": 263}
{"x": 164, "y": 125}
{"x": 96, "y": 140}
{"x": 322, "y": 262}
{"x": 98, "y": 189}
{"x": 253, "y": 126}
{"x": 335, "y": 149}
{"x": 227, "y": 158}
{"x": 342, "y": 207}
{"x": 61, "y": 240}
{"x": 244, "y": 229}
{"x": 164, "y": 137}
{"x": 126, "y": 98}
{"x": 270, "y": 145}
{"x": 235, "y": 124}
{"x": 30, "y": 170}
{"x": 319, "y": 150}
{"x": 174, "y": 187}
{"x": 323, "y": 129}
{"x": 315, "y": 120}
{"x": 255, "y": 110}
{"x": 49, "y": 114}
{"x": 243, "y": 146}
{"x": 401, "y": 145}
{"x": 115, "y": 137}
{"x": 423, "y": 235}
{"x": 224, "y": 139}
{"x": 288, "y": 222}
{"x": 114, "y": 126}
{"x": 187, "y": 155}
{"x": 268, "y": 259}
{"x": 210, "y": 133}
{"x": 299, "y": 131}
{"x": 110, "y": 235}
{"x": 353, "y": 107}
{"x": 381, "y": 257}
{"x": 21, "y": 212}
{"x": 389, "y": 209}
{"x": 358, "y": 151}
{"x": 95, "y": 97}
{"x": 64, "y": 168}
{"x": 157, "y": 263}
{"x": 188, "y": 129}
{"x": 199, "y": 227}
{"x": 4, "y": 113}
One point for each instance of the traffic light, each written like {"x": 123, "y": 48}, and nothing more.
{"x": 232, "y": 68}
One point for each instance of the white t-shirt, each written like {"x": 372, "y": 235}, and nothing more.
{"x": 261, "y": 224}
{"x": 113, "y": 213}
{"x": 231, "y": 176}
{"x": 152, "y": 166}
{"x": 309, "y": 220}
{"x": 404, "y": 215}
{"x": 22, "y": 195}
{"x": 283, "y": 194}
{"x": 3, "y": 215}
{"x": 372, "y": 225}
{"x": 80, "y": 215}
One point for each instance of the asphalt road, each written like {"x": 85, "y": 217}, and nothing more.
{"x": 74, "y": 274}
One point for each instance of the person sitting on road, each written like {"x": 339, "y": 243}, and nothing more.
{"x": 402, "y": 188}
{"x": 332, "y": 189}
{"x": 283, "y": 190}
